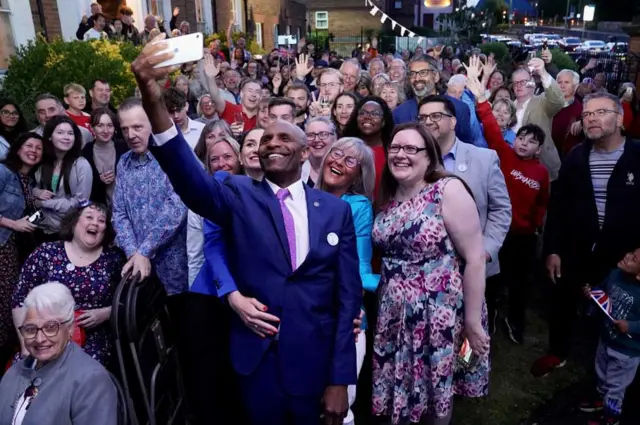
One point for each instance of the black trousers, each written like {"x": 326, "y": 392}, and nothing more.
{"x": 517, "y": 259}
{"x": 201, "y": 329}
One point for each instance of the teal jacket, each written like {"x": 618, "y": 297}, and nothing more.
{"x": 362, "y": 212}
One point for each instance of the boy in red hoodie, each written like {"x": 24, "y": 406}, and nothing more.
{"x": 528, "y": 185}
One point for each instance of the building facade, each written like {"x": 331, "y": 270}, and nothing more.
{"x": 21, "y": 20}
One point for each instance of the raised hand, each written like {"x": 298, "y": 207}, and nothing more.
{"x": 302, "y": 66}
{"x": 474, "y": 68}
{"x": 437, "y": 51}
{"x": 546, "y": 55}
{"x": 490, "y": 66}
{"x": 143, "y": 67}
{"x": 476, "y": 87}
{"x": 374, "y": 43}
{"x": 277, "y": 81}
{"x": 176, "y": 11}
{"x": 537, "y": 67}
{"x": 210, "y": 69}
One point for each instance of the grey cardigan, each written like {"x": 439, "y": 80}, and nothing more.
{"x": 80, "y": 183}
{"x": 74, "y": 389}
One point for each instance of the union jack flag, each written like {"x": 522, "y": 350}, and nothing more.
{"x": 602, "y": 299}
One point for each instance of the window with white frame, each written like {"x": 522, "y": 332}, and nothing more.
{"x": 259, "y": 34}
{"x": 322, "y": 20}
{"x": 154, "y": 7}
{"x": 200, "y": 15}
{"x": 237, "y": 14}
{"x": 7, "y": 42}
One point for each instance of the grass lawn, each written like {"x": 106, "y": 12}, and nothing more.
{"x": 514, "y": 393}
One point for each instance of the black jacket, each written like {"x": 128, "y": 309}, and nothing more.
{"x": 98, "y": 189}
{"x": 586, "y": 251}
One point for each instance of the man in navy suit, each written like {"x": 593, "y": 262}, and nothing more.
{"x": 292, "y": 252}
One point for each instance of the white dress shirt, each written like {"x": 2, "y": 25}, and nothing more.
{"x": 192, "y": 135}
{"x": 195, "y": 245}
{"x": 297, "y": 204}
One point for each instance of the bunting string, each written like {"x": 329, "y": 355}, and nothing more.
{"x": 403, "y": 30}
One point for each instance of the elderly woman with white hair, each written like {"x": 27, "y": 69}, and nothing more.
{"x": 348, "y": 172}
{"x": 57, "y": 383}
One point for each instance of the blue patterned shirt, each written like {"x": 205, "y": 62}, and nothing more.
{"x": 150, "y": 218}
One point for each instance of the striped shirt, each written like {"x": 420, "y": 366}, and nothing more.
{"x": 601, "y": 165}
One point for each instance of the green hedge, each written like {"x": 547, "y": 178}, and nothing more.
{"x": 45, "y": 67}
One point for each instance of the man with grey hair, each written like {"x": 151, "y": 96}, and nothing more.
{"x": 49, "y": 106}
{"x": 376, "y": 66}
{"x": 538, "y": 110}
{"x": 292, "y": 331}
{"x": 566, "y": 127}
{"x": 350, "y": 71}
{"x": 398, "y": 72}
{"x": 592, "y": 221}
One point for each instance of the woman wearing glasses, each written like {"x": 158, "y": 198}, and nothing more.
{"x": 372, "y": 122}
{"x": 88, "y": 264}
{"x": 57, "y": 382}
{"x": 427, "y": 229}
{"x": 321, "y": 135}
{"x": 12, "y": 124}
{"x": 348, "y": 172}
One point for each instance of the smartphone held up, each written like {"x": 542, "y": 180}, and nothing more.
{"x": 186, "y": 48}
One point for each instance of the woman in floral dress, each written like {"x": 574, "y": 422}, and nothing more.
{"x": 427, "y": 228}
{"x": 86, "y": 262}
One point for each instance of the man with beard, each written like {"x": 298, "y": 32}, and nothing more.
{"x": 592, "y": 223}
{"x": 480, "y": 170}
{"x": 49, "y": 106}
{"x": 250, "y": 99}
{"x": 294, "y": 354}
{"x": 300, "y": 95}
{"x": 231, "y": 91}
{"x": 424, "y": 75}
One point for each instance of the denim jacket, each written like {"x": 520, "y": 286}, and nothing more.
{"x": 11, "y": 199}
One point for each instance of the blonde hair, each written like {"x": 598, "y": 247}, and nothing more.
{"x": 235, "y": 146}
{"x": 74, "y": 88}
{"x": 331, "y": 71}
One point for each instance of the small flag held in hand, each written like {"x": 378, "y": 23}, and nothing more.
{"x": 602, "y": 299}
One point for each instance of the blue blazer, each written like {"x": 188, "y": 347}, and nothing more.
{"x": 316, "y": 303}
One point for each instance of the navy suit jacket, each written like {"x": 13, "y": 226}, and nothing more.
{"x": 316, "y": 303}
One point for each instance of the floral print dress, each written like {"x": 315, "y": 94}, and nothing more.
{"x": 92, "y": 287}
{"x": 421, "y": 314}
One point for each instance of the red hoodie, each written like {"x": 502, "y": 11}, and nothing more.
{"x": 527, "y": 179}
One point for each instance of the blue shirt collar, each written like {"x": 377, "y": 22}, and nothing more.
{"x": 453, "y": 151}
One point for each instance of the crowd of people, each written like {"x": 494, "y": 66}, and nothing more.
{"x": 332, "y": 231}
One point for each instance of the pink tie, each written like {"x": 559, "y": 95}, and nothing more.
{"x": 289, "y": 225}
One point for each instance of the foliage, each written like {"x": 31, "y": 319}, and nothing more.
{"x": 501, "y": 27}
{"x": 465, "y": 24}
{"x": 562, "y": 60}
{"x": 499, "y": 50}
{"x": 252, "y": 45}
{"x": 40, "y": 67}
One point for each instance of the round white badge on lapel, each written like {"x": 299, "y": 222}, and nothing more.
{"x": 462, "y": 167}
{"x": 332, "y": 238}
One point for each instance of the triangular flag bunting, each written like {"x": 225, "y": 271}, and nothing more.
{"x": 420, "y": 40}
{"x": 374, "y": 10}
{"x": 384, "y": 18}
{"x": 412, "y": 34}
{"x": 402, "y": 31}
{"x": 393, "y": 24}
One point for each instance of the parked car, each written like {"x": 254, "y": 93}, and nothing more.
{"x": 591, "y": 46}
{"x": 569, "y": 44}
{"x": 617, "y": 48}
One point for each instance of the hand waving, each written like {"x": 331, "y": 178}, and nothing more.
{"x": 474, "y": 68}
{"x": 210, "y": 69}
{"x": 302, "y": 66}
{"x": 476, "y": 87}
{"x": 490, "y": 66}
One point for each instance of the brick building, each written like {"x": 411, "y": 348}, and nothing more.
{"x": 341, "y": 16}
{"x": 21, "y": 20}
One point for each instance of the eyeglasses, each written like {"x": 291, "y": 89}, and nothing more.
{"x": 434, "y": 117}
{"x": 322, "y": 135}
{"x": 349, "y": 161}
{"x": 597, "y": 113}
{"x": 422, "y": 73}
{"x": 520, "y": 83}
{"x": 329, "y": 85}
{"x": 408, "y": 149}
{"x": 50, "y": 329}
{"x": 6, "y": 113}
{"x": 370, "y": 114}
